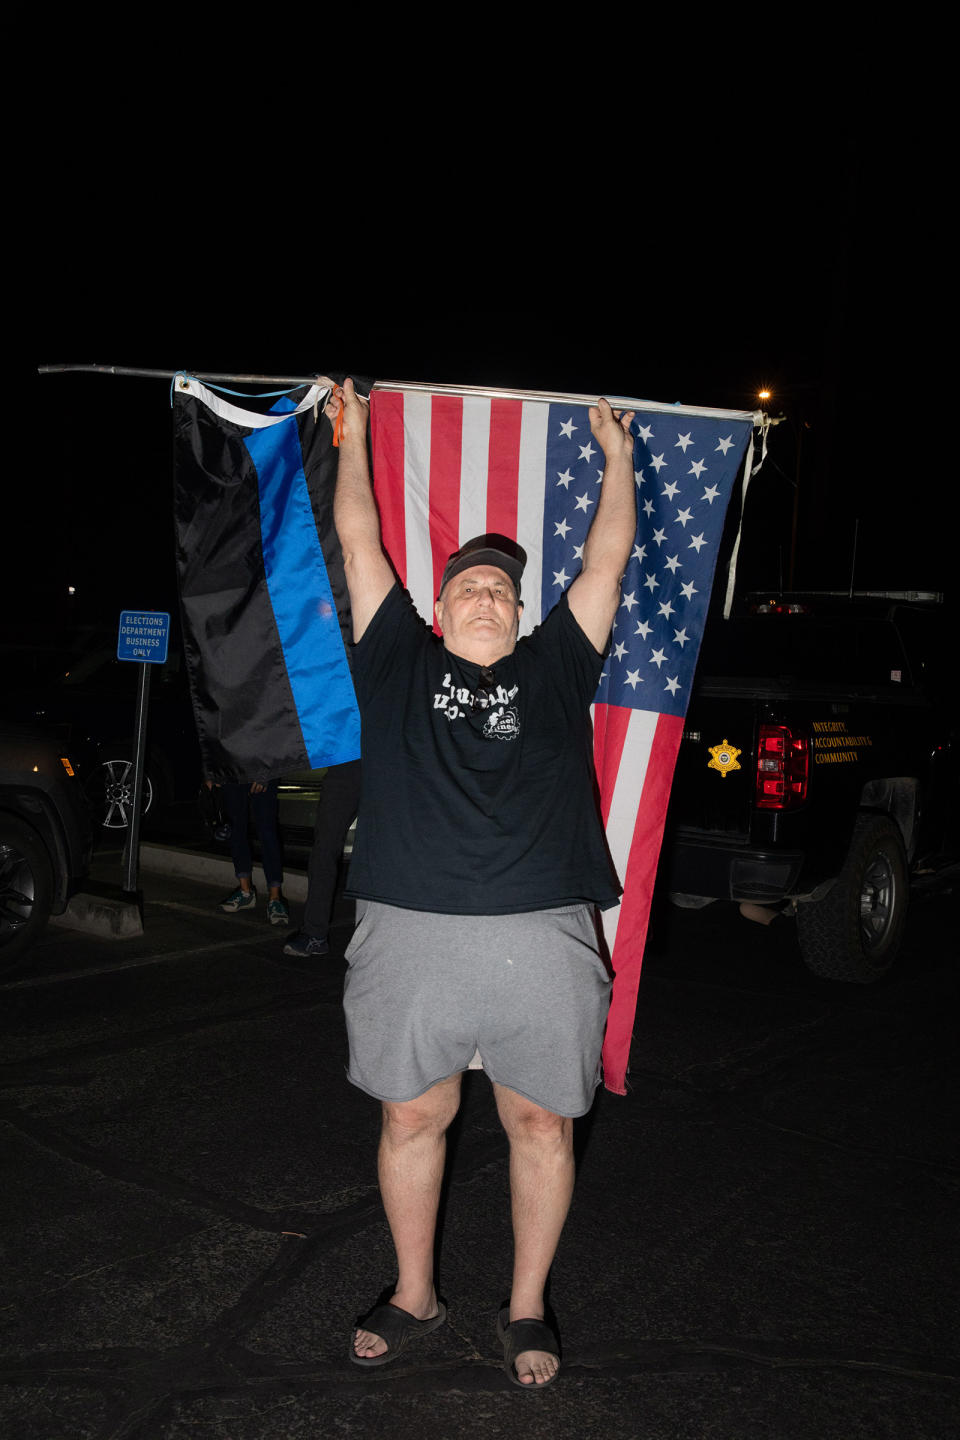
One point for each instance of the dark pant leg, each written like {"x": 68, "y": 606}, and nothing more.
{"x": 234, "y": 798}
{"x": 338, "y": 804}
{"x": 264, "y": 808}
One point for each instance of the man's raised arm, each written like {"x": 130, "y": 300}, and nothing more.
{"x": 595, "y": 594}
{"x": 367, "y": 569}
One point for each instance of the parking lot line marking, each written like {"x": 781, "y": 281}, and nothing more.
{"x": 34, "y": 980}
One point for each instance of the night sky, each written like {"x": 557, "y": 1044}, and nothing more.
{"x": 694, "y": 280}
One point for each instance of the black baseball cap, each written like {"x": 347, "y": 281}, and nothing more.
{"x": 498, "y": 550}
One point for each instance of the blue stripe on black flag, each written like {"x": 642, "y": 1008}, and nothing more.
{"x": 302, "y": 599}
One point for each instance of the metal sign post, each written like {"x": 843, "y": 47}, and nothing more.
{"x": 143, "y": 637}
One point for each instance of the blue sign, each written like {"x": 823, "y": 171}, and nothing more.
{"x": 143, "y": 635}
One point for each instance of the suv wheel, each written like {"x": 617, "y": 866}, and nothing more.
{"x": 26, "y": 887}
{"x": 110, "y": 790}
{"x": 854, "y": 932}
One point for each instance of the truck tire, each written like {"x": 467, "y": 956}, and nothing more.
{"x": 854, "y": 932}
{"x": 26, "y": 888}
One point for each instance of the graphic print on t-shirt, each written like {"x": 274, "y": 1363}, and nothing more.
{"x": 459, "y": 701}
{"x": 502, "y": 724}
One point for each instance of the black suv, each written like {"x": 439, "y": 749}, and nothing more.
{"x": 89, "y": 703}
{"x": 45, "y": 835}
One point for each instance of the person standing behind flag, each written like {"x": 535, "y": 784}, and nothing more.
{"x": 239, "y": 799}
{"x": 478, "y": 863}
{"x": 336, "y": 812}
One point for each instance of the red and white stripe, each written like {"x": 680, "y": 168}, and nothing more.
{"x": 634, "y": 753}
{"x": 449, "y": 467}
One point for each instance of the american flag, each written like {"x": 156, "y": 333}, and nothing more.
{"x": 450, "y": 464}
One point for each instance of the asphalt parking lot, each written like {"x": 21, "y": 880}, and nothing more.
{"x": 762, "y": 1241}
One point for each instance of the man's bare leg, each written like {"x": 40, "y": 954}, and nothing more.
{"x": 410, "y": 1166}
{"x": 541, "y": 1185}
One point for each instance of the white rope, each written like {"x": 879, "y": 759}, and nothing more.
{"x": 315, "y": 397}
{"x": 749, "y": 470}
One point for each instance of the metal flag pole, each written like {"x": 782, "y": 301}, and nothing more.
{"x": 169, "y": 374}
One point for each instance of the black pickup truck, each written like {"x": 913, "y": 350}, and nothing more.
{"x": 817, "y": 768}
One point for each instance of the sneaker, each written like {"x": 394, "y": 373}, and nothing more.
{"x": 277, "y": 912}
{"x": 239, "y": 900}
{"x": 302, "y": 945}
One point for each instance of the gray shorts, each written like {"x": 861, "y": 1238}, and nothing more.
{"x": 425, "y": 992}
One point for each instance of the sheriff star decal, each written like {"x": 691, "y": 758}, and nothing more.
{"x": 723, "y": 757}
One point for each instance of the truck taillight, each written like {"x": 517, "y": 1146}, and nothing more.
{"x": 783, "y": 768}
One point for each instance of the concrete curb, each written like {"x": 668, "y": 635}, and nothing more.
{"x": 103, "y": 915}
{"x": 115, "y": 918}
{"x": 213, "y": 869}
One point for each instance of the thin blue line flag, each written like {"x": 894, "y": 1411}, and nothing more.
{"x": 266, "y": 615}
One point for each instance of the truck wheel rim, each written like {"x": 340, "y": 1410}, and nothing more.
{"x": 116, "y": 794}
{"x": 877, "y": 901}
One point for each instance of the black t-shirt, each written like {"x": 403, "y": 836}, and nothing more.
{"x": 476, "y": 804}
